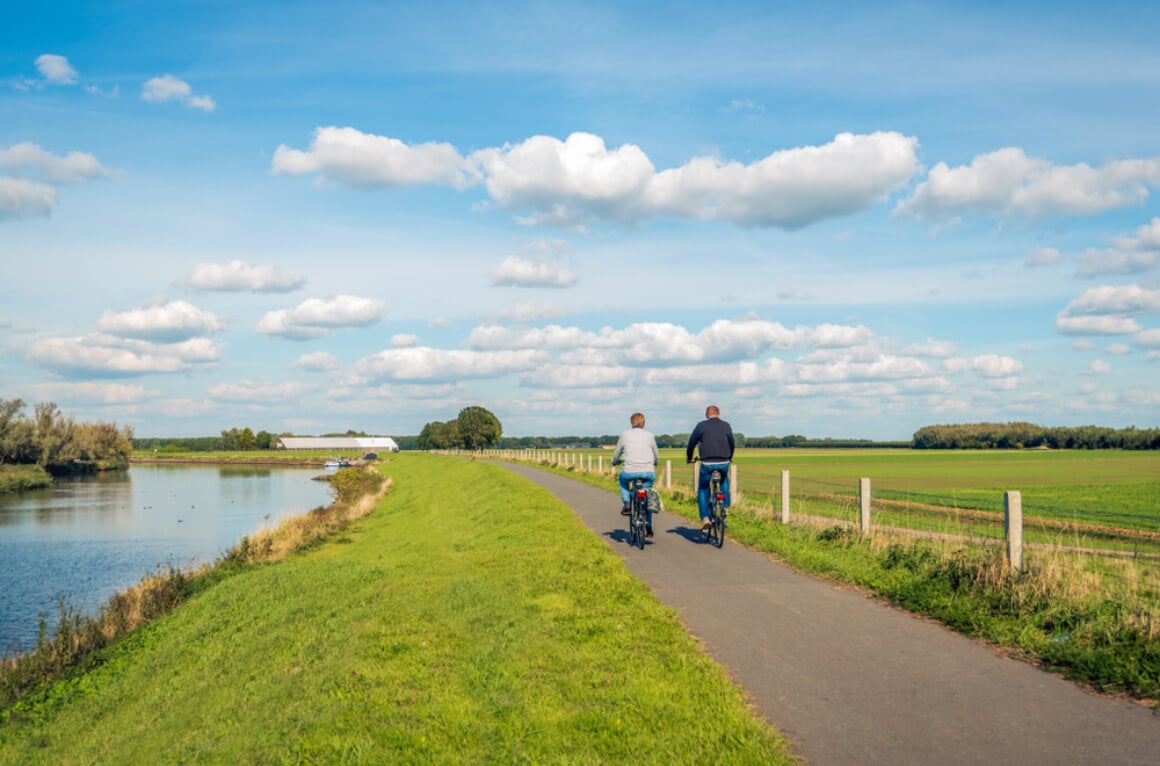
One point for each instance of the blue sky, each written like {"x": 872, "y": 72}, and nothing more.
{"x": 832, "y": 219}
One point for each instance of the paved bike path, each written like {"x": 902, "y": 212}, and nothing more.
{"x": 851, "y": 681}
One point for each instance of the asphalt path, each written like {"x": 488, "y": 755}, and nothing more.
{"x": 851, "y": 681}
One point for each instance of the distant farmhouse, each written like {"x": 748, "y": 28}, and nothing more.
{"x": 366, "y": 443}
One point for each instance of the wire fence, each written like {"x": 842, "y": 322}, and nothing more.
{"x": 1089, "y": 541}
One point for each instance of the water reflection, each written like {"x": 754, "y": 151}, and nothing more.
{"x": 90, "y": 536}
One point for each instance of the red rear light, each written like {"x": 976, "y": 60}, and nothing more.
{"x": 720, "y": 496}
{"x": 641, "y": 493}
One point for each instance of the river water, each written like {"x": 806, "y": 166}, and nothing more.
{"x": 89, "y": 537}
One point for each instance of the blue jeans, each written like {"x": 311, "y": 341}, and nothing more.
{"x": 626, "y": 488}
{"x": 703, "y": 486}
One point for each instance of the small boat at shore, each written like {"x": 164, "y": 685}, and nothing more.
{"x": 337, "y": 462}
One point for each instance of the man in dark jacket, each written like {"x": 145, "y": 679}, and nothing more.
{"x": 715, "y": 438}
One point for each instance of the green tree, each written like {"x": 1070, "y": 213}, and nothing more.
{"x": 15, "y": 432}
{"x": 231, "y": 441}
{"x": 104, "y": 445}
{"x": 440, "y": 435}
{"x": 478, "y": 428}
{"x": 246, "y": 439}
{"x": 55, "y": 436}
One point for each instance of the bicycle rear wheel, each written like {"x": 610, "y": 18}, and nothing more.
{"x": 636, "y": 525}
{"x": 718, "y": 523}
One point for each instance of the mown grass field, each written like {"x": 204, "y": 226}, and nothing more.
{"x": 470, "y": 619}
{"x": 1098, "y": 487}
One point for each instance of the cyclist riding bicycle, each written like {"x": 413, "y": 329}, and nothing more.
{"x": 637, "y": 450}
{"x": 714, "y": 438}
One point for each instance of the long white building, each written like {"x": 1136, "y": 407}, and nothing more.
{"x": 365, "y": 443}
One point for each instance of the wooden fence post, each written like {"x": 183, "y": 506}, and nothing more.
{"x": 785, "y": 497}
{"x": 864, "y": 503}
{"x": 1013, "y": 528}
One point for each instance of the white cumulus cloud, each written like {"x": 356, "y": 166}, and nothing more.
{"x": 1042, "y": 256}
{"x": 315, "y": 318}
{"x": 1009, "y": 183}
{"x": 167, "y": 321}
{"x": 30, "y": 160}
{"x": 25, "y": 199}
{"x": 170, "y": 88}
{"x": 932, "y": 348}
{"x": 318, "y": 361}
{"x": 577, "y": 180}
{"x": 1096, "y": 325}
{"x": 1126, "y": 299}
{"x": 239, "y": 276}
{"x": 422, "y": 363}
{"x": 105, "y": 356}
{"x": 1148, "y": 338}
{"x": 987, "y": 365}
{"x": 56, "y": 69}
{"x": 1108, "y": 310}
{"x": 1128, "y": 255}
{"x": 517, "y": 271}
{"x": 28, "y": 174}
{"x": 364, "y": 160}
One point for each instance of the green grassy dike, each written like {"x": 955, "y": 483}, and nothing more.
{"x": 470, "y": 619}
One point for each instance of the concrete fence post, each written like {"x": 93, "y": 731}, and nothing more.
{"x": 785, "y": 497}
{"x": 734, "y": 490}
{"x": 1013, "y": 528}
{"x": 864, "y": 503}
{"x": 668, "y": 474}
{"x": 600, "y": 464}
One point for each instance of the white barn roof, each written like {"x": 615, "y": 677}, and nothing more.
{"x": 339, "y": 442}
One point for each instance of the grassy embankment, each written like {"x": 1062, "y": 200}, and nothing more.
{"x": 17, "y": 478}
{"x": 472, "y": 618}
{"x": 1093, "y": 618}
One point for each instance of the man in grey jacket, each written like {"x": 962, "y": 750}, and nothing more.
{"x": 637, "y": 450}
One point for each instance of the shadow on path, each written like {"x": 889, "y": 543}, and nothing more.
{"x": 851, "y": 681}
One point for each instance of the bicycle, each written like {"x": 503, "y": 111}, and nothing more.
{"x": 638, "y": 514}
{"x": 718, "y": 511}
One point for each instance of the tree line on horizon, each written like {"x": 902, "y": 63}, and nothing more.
{"x": 58, "y": 443}
{"x": 1020, "y": 435}
{"x": 477, "y": 428}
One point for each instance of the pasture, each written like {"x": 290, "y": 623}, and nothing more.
{"x": 1071, "y": 498}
